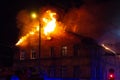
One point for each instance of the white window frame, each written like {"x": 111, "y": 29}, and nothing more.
{"x": 64, "y": 50}
{"x": 33, "y": 54}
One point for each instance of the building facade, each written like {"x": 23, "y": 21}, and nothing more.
{"x": 110, "y": 66}
{"x": 69, "y": 56}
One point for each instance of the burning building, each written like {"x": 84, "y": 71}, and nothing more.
{"x": 50, "y": 50}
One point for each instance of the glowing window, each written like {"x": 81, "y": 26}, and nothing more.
{"x": 64, "y": 50}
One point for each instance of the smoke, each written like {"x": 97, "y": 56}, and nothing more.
{"x": 94, "y": 18}
{"x": 24, "y": 22}
{"x": 28, "y": 25}
{"x": 98, "y": 19}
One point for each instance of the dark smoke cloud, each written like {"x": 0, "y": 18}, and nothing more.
{"x": 98, "y": 19}
{"x": 23, "y": 22}
{"x": 94, "y": 19}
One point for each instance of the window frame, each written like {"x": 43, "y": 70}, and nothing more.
{"x": 52, "y": 71}
{"x": 76, "y": 71}
{"x": 63, "y": 71}
{"x": 64, "y": 50}
{"x": 52, "y": 51}
{"x": 33, "y": 54}
{"x": 22, "y": 54}
{"x": 76, "y": 50}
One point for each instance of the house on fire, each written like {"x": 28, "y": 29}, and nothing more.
{"x": 65, "y": 56}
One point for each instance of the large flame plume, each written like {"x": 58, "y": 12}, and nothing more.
{"x": 48, "y": 25}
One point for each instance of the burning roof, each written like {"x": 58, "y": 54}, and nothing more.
{"x": 43, "y": 26}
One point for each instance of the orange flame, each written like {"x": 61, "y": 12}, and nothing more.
{"x": 49, "y": 23}
{"x": 23, "y": 38}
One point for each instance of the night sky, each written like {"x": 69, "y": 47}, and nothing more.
{"x": 98, "y": 19}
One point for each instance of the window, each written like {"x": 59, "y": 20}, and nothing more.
{"x": 52, "y": 51}
{"x": 22, "y": 55}
{"x": 76, "y": 50}
{"x": 52, "y": 70}
{"x": 33, "y": 54}
{"x": 63, "y": 71}
{"x": 64, "y": 50}
{"x": 76, "y": 71}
